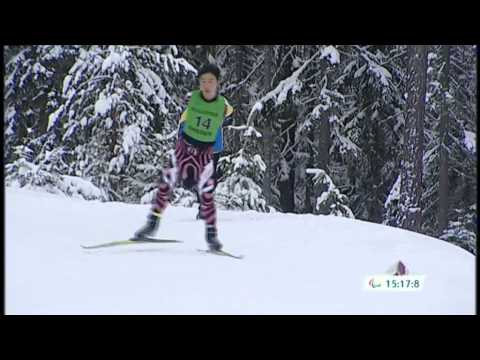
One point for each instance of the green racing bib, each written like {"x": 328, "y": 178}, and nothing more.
{"x": 204, "y": 118}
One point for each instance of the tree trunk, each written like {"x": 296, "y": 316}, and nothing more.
{"x": 300, "y": 163}
{"x": 422, "y": 66}
{"x": 324, "y": 142}
{"x": 267, "y": 130}
{"x": 322, "y": 133}
{"x": 287, "y": 187}
{"x": 412, "y": 169}
{"x": 309, "y": 193}
{"x": 444, "y": 120}
{"x": 375, "y": 202}
{"x": 241, "y": 96}
{"x": 41, "y": 105}
{"x": 322, "y": 138}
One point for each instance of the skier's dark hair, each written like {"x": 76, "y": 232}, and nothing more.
{"x": 211, "y": 69}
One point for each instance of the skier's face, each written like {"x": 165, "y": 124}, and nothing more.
{"x": 208, "y": 86}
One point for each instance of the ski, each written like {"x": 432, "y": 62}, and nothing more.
{"x": 220, "y": 253}
{"x": 130, "y": 242}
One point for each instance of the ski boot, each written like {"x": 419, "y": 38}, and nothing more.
{"x": 212, "y": 239}
{"x": 149, "y": 228}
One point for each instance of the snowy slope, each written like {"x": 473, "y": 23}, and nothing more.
{"x": 294, "y": 264}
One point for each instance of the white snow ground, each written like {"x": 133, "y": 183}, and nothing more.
{"x": 294, "y": 264}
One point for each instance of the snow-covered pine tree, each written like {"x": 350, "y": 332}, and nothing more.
{"x": 463, "y": 127}
{"x": 438, "y": 100}
{"x": 10, "y": 51}
{"x": 33, "y": 89}
{"x": 302, "y": 126}
{"x": 462, "y": 229}
{"x": 289, "y": 145}
{"x": 276, "y": 113}
{"x": 392, "y": 204}
{"x": 462, "y": 174}
{"x": 449, "y": 160}
{"x": 122, "y": 105}
{"x": 241, "y": 65}
{"x": 241, "y": 190}
{"x": 393, "y": 128}
{"x": 364, "y": 133}
{"x": 329, "y": 200}
{"x": 317, "y": 104}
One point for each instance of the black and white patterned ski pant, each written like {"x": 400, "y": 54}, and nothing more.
{"x": 194, "y": 166}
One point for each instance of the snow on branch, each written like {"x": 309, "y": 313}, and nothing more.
{"x": 280, "y": 93}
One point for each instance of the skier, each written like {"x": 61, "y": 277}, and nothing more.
{"x": 218, "y": 148}
{"x": 192, "y": 162}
